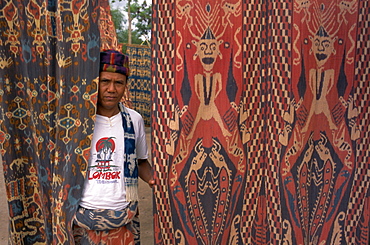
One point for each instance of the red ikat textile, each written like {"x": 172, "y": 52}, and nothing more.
{"x": 260, "y": 122}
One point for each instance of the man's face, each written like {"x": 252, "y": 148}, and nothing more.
{"x": 112, "y": 86}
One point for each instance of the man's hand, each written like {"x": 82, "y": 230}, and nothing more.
{"x": 145, "y": 172}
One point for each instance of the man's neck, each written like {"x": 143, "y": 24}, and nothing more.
{"x": 107, "y": 113}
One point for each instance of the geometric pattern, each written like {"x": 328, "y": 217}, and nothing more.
{"x": 48, "y": 100}
{"x": 139, "y": 79}
{"x": 162, "y": 90}
{"x": 357, "y": 216}
{"x": 261, "y": 109}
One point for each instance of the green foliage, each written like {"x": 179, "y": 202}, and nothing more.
{"x": 141, "y": 16}
{"x": 122, "y": 37}
{"x": 118, "y": 19}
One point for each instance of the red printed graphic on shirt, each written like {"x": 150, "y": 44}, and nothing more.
{"x": 103, "y": 170}
{"x": 104, "y": 148}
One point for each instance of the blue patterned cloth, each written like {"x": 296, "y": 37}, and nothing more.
{"x": 131, "y": 172}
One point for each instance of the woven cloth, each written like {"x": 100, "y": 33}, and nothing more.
{"x": 114, "y": 61}
{"x": 130, "y": 166}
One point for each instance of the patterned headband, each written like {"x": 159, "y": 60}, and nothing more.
{"x": 114, "y": 61}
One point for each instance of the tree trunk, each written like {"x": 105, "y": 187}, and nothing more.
{"x": 129, "y": 21}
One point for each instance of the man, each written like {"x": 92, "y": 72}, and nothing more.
{"x": 108, "y": 207}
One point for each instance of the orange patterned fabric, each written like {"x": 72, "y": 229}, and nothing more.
{"x": 121, "y": 236}
{"x": 260, "y": 122}
{"x": 125, "y": 235}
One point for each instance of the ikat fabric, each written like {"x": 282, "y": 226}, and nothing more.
{"x": 139, "y": 81}
{"x": 49, "y": 61}
{"x": 260, "y": 122}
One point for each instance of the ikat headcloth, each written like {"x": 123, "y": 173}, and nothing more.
{"x": 114, "y": 61}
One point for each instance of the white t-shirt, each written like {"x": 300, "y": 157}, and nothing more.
{"x": 104, "y": 186}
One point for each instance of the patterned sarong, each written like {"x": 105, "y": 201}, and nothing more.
{"x": 102, "y": 226}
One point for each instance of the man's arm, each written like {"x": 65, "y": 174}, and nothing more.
{"x": 145, "y": 171}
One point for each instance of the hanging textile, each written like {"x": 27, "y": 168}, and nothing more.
{"x": 260, "y": 126}
{"x": 49, "y": 51}
{"x": 139, "y": 80}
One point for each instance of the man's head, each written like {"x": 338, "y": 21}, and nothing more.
{"x": 114, "y": 70}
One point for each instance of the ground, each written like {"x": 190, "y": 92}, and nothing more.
{"x": 145, "y": 206}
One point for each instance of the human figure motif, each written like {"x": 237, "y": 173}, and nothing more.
{"x": 321, "y": 81}
{"x": 317, "y": 163}
{"x": 208, "y": 85}
{"x": 208, "y": 165}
